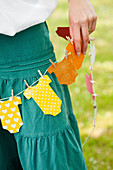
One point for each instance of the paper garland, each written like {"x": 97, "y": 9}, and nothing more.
{"x": 90, "y": 87}
{"x": 44, "y": 96}
{"x": 10, "y": 114}
{"x": 76, "y": 63}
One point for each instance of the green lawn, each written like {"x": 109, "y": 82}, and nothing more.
{"x": 98, "y": 150}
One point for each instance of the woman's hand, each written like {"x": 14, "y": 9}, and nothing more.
{"x": 82, "y": 21}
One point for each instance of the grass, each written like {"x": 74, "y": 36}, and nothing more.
{"x": 98, "y": 151}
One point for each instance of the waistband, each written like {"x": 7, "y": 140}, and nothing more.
{"x": 27, "y": 51}
{"x": 29, "y": 42}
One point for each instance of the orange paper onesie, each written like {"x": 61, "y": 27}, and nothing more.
{"x": 64, "y": 71}
{"x": 44, "y": 96}
{"x": 10, "y": 114}
{"x": 76, "y": 60}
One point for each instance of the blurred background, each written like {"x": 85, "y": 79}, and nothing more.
{"x": 98, "y": 151}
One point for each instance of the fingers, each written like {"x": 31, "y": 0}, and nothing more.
{"x": 76, "y": 38}
{"x": 94, "y": 23}
{"x": 85, "y": 36}
{"x": 71, "y": 32}
{"x": 80, "y": 22}
{"x": 90, "y": 22}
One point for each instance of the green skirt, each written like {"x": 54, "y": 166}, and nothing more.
{"x": 44, "y": 142}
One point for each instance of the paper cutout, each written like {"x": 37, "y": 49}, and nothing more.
{"x": 89, "y": 85}
{"x": 10, "y": 114}
{"x": 76, "y": 60}
{"x": 93, "y": 53}
{"x": 44, "y": 96}
{"x": 63, "y": 32}
{"x": 64, "y": 71}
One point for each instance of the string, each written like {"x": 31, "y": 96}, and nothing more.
{"x": 88, "y": 136}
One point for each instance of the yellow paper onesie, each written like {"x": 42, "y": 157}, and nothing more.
{"x": 44, "y": 96}
{"x": 10, "y": 114}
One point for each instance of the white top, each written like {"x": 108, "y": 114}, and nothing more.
{"x": 17, "y": 15}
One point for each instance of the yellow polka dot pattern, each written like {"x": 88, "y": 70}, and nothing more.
{"x": 44, "y": 96}
{"x": 10, "y": 114}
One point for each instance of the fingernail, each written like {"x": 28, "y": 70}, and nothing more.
{"x": 78, "y": 53}
{"x": 84, "y": 53}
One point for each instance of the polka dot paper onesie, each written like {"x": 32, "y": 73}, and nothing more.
{"x": 44, "y": 96}
{"x": 10, "y": 114}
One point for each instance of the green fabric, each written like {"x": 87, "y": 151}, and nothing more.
{"x": 44, "y": 142}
